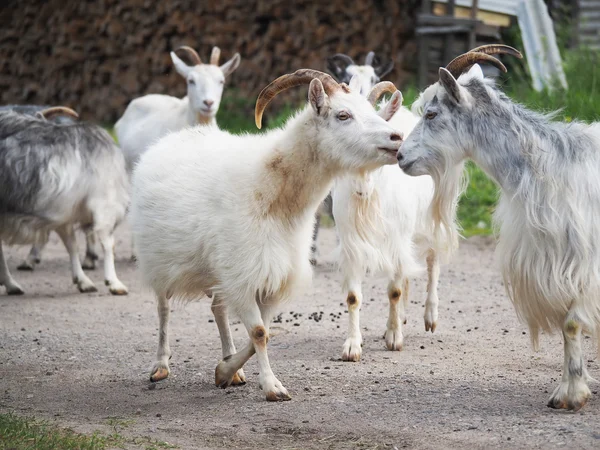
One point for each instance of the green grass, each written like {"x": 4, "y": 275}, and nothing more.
{"x": 27, "y": 433}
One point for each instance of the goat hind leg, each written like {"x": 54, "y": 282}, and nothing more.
{"x": 91, "y": 256}
{"x": 219, "y": 310}
{"x": 573, "y": 392}
{"x": 396, "y": 295}
{"x": 161, "y": 370}
{"x": 431, "y": 304}
{"x": 6, "y": 279}
{"x": 107, "y": 240}
{"x": 67, "y": 235}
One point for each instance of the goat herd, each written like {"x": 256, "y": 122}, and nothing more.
{"x": 233, "y": 217}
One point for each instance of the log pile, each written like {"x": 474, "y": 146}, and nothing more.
{"x": 97, "y": 55}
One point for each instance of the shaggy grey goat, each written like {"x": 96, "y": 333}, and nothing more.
{"x": 548, "y": 212}
{"x": 35, "y": 254}
{"x": 53, "y": 176}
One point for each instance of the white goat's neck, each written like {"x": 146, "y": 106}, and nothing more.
{"x": 296, "y": 175}
{"x": 195, "y": 118}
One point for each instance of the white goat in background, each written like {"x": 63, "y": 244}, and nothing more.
{"x": 232, "y": 216}
{"x": 343, "y": 68}
{"x": 153, "y": 116}
{"x": 384, "y": 222}
{"x": 548, "y": 212}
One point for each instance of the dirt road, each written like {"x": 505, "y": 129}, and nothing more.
{"x": 476, "y": 383}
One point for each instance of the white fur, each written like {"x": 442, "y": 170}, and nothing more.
{"x": 384, "y": 224}
{"x": 232, "y": 216}
{"x": 151, "y": 117}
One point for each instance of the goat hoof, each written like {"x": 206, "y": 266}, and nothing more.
{"x": 25, "y": 266}
{"x": 15, "y": 290}
{"x": 275, "y": 396}
{"x": 352, "y": 350}
{"x": 430, "y": 326}
{"x": 159, "y": 373}
{"x": 88, "y": 264}
{"x": 222, "y": 375}
{"x": 577, "y": 399}
{"x": 393, "y": 340}
{"x": 239, "y": 379}
{"x": 117, "y": 288}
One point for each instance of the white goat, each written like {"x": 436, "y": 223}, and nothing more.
{"x": 53, "y": 177}
{"x": 151, "y": 117}
{"x": 232, "y": 216}
{"x": 382, "y": 218}
{"x": 550, "y": 197}
{"x": 343, "y": 68}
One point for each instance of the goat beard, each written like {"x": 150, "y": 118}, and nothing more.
{"x": 449, "y": 183}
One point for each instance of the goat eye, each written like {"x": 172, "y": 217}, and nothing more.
{"x": 191, "y": 81}
{"x": 343, "y": 116}
{"x": 430, "y": 115}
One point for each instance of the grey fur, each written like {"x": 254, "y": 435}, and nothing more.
{"x": 31, "y": 110}
{"x": 54, "y": 176}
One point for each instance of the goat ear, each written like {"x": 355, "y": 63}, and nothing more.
{"x": 450, "y": 84}
{"x": 182, "y": 68}
{"x": 229, "y": 67}
{"x": 355, "y": 83}
{"x": 316, "y": 96}
{"x": 475, "y": 72}
{"x": 337, "y": 65}
{"x": 391, "y": 107}
{"x": 382, "y": 70}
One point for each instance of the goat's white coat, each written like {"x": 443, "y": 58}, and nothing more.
{"x": 153, "y": 116}
{"x": 232, "y": 216}
{"x": 385, "y": 226}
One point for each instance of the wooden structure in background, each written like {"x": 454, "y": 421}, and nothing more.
{"x": 445, "y": 30}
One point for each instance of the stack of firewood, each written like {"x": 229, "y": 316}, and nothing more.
{"x": 97, "y": 55}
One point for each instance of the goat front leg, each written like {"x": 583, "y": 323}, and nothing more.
{"x": 313, "y": 247}
{"x": 89, "y": 262}
{"x": 67, "y": 235}
{"x": 258, "y": 331}
{"x": 352, "y": 350}
{"x": 398, "y": 297}
{"x": 431, "y": 304}
{"x": 573, "y": 392}
{"x": 107, "y": 240}
{"x": 161, "y": 370}
{"x": 219, "y": 310}
{"x": 6, "y": 279}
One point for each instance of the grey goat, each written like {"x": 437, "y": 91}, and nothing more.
{"x": 54, "y": 176}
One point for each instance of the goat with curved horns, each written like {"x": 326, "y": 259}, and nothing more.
{"x": 548, "y": 174}
{"x": 151, "y": 117}
{"x": 249, "y": 249}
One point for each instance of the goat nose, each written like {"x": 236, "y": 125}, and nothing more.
{"x": 399, "y": 156}
{"x": 209, "y": 103}
{"x": 396, "y": 137}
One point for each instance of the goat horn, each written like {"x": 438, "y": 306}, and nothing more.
{"x": 215, "y": 55}
{"x": 497, "y": 49}
{"x": 342, "y": 57}
{"x": 191, "y": 54}
{"x": 299, "y": 77}
{"x": 383, "y": 87}
{"x": 369, "y": 59}
{"x": 461, "y": 63}
{"x": 49, "y": 113}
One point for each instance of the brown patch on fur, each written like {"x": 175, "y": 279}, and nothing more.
{"x": 394, "y": 295}
{"x": 571, "y": 328}
{"x": 345, "y": 88}
{"x": 259, "y": 335}
{"x": 203, "y": 120}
